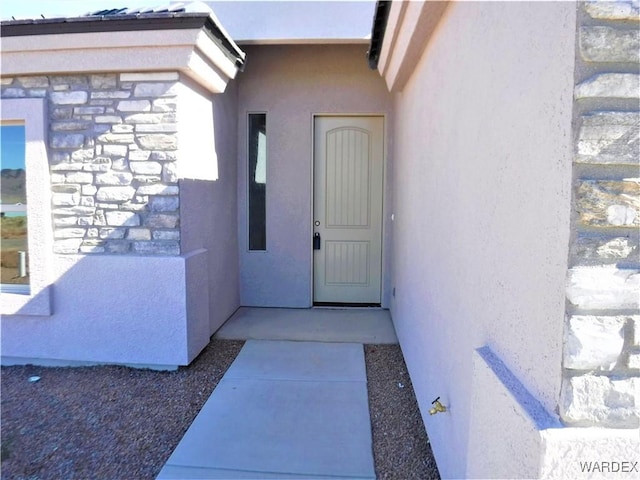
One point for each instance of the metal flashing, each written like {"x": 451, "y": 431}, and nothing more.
{"x": 377, "y": 32}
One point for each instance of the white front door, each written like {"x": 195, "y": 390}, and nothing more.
{"x": 348, "y": 172}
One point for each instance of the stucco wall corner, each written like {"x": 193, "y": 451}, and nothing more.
{"x": 206, "y": 171}
{"x": 197, "y": 302}
{"x": 409, "y": 29}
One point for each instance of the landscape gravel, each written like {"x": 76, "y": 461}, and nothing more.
{"x": 401, "y": 449}
{"x": 110, "y": 422}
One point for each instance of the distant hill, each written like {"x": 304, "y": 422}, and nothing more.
{"x": 13, "y": 186}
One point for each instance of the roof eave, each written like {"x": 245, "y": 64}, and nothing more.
{"x": 126, "y": 23}
{"x": 377, "y": 32}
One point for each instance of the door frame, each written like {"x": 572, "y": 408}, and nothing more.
{"x": 385, "y": 227}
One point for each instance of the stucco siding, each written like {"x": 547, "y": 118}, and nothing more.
{"x": 100, "y": 314}
{"x": 208, "y": 202}
{"x": 291, "y": 84}
{"x": 482, "y": 197}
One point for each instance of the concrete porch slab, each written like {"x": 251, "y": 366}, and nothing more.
{"x": 282, "y": 410}
{"x": 357, "y": 325}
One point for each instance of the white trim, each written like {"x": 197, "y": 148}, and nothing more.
{"x": 32, "y": 112}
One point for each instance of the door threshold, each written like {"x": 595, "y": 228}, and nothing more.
{"x": 345, "y": 305}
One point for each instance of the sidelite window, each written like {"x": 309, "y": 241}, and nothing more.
{"x": 257, "y": 181}
{"x": 13, "y": 214}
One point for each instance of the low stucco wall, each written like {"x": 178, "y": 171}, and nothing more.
{"x": 532, "y": 443}
{"x": 482, "y": 196}
{"x": 110, "y": 309}
{"x": 498, "y": 398}
{"x": 291, "y": 84}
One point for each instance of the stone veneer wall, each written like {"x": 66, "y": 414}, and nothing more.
{"x": 602, "y": 333}
{"x": 112, "y": 152}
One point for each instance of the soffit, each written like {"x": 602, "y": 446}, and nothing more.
{"x": 295, "y": 22}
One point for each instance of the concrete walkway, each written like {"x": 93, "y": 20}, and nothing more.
{"x": 286, "y": 409}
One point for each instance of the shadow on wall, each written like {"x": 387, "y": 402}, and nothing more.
{"x": 208, "y": 198}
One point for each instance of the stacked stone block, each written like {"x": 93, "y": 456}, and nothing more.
{"x": 601, "y": 385}
{"x": 112, "y": 150}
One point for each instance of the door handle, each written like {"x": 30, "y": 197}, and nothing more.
{"x": 316, "y": 241}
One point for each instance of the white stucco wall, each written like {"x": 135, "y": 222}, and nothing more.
{"x": 291, "y": 84}
{"x": 207, "y": 170}
{"x": 482, "y": 190}
{"x": 107, "y": 309}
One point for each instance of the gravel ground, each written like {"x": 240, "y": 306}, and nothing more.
{"x": 120, "y": 423}
{"x": 401, "y": 448}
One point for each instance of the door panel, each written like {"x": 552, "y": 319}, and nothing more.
{"x": 348, "y": 170}
{"x": 347, "y": 178}
{"x": 346, "y": 263}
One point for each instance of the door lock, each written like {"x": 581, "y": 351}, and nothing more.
{"x": 316, "y": 241}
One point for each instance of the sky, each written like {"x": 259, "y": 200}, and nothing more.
{"x": 63, "y": 8}
{"x": 12, "y": 146}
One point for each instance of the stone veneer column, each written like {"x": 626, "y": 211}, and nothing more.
{"x": 112, "y": 151}
{"x": 601, "y": 384}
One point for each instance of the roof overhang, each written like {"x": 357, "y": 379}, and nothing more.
{"x": 400, "y": 34}
{"x": 191, "y": 43}
{"x": 378, "y": 30}
{"x": 306, "y": 41}
{"x": 296, "y": 22}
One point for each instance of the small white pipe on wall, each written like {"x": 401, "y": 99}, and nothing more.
{"x": 22, "y": 264}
